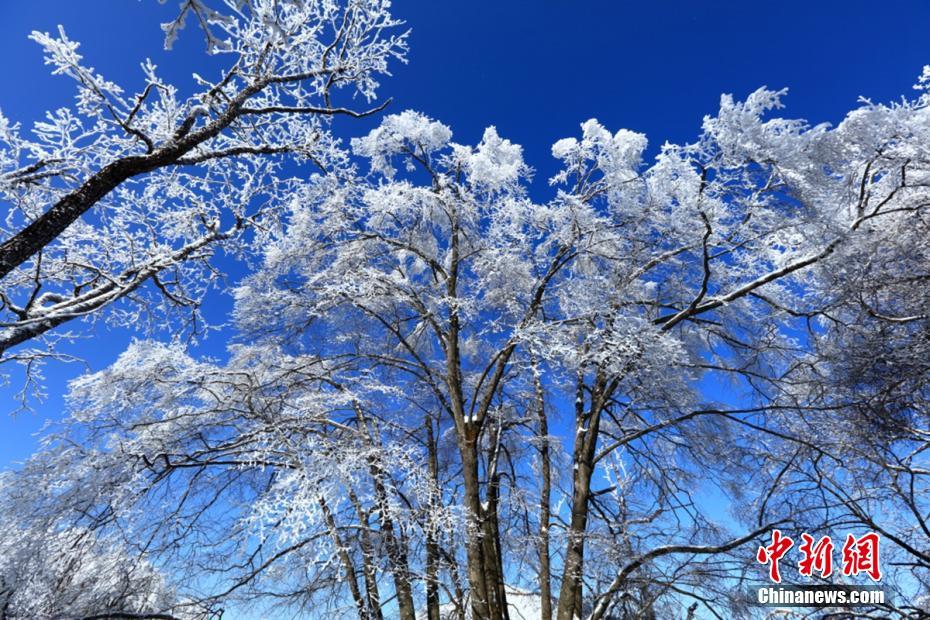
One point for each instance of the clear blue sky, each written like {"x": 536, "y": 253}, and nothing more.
{"x": 534, "y": 68}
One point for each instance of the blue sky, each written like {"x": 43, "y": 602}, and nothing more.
{"x": 534, "y": 68}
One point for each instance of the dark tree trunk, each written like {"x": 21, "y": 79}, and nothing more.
{"x": 432, "y": 544}
{"x": 369, "y": 570}
{"x": 349, "y": 573}
{"x": 545, "y": 496}
{"x": 586, "y": 436}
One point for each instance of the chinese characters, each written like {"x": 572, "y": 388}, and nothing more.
{"x": 859, "y": 555}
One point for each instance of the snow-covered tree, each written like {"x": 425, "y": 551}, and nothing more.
{"x": 861, "y": 383}
{"x": 444, "y": 393}
{"x": 71, "y": 574}
{"x": 128, "y": 195}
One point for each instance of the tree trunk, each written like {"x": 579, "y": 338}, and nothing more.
{"x": 350, "y": 577}
{"x": 485, "y": 587}
{"x": 586, "y": 435}
{"x": 397, "y": 557}
{"x": 456, "y": 579}
{"x": 493, "y": 557}
{"x": 545, "y": 493}
{"x": 396, "y": 549}
{"x": 432, "y": 544}
{"x": 477, "y": 576}
{"x": 369, "y": 571}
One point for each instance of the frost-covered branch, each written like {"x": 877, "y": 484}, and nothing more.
{"x": 106, "y": 196}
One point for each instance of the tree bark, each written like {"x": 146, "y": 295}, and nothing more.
{"x": 369, "y": 571}
{"x": 432, "y": 544}
{"x": 477, "y": 577}
{"x": 586, "y": 435}
{"x": 545, "y": 497}
{"x": 493, "y": 557}
{"x": 350, "y": 576}
{"x": 396, "y": 549}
